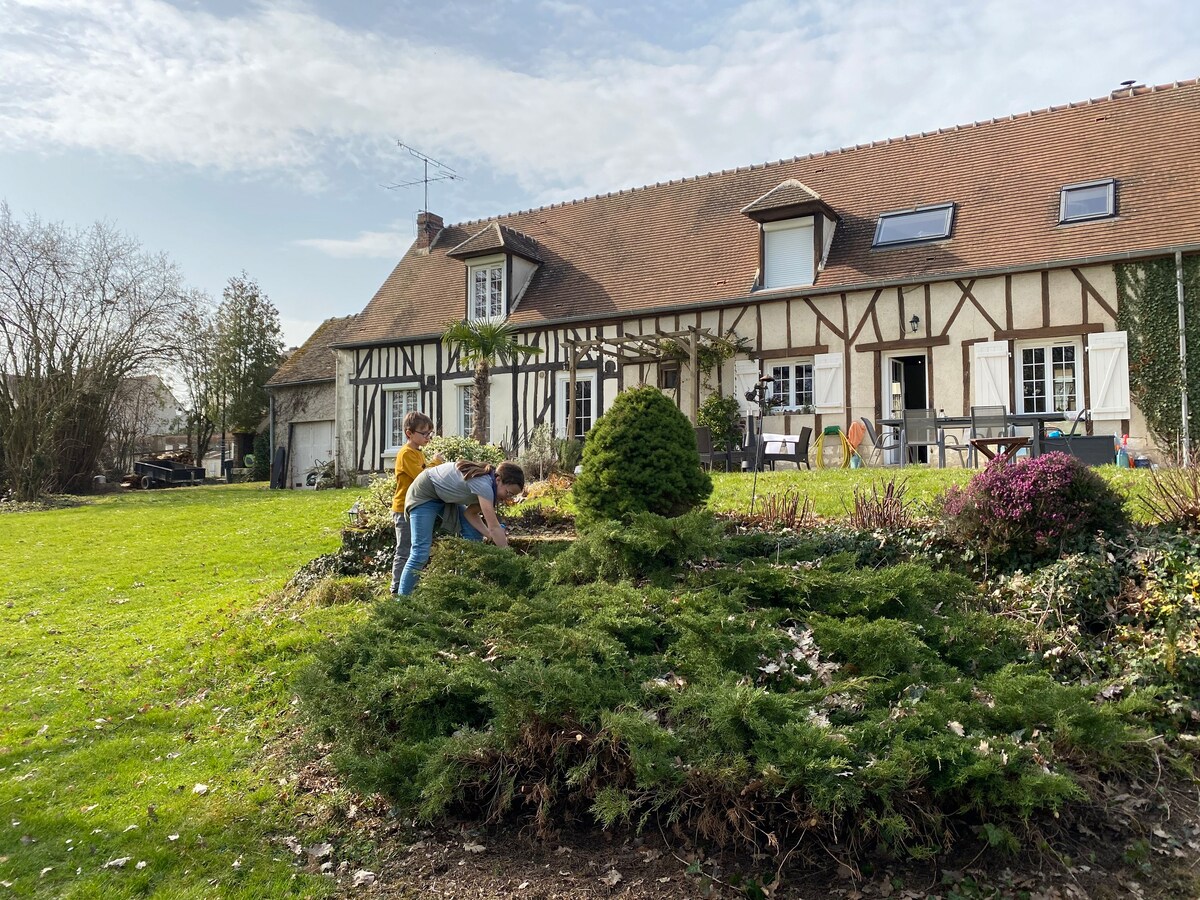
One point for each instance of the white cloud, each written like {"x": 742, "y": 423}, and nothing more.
{"x": 368, "y": 245}
{"x": 282, "y": 92}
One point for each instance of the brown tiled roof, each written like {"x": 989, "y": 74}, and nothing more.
{"x": 686, "y": 242}
{"x": 496, "y": 238}
{"x": 787, "y": 193}
{"x": 314, "y": 361}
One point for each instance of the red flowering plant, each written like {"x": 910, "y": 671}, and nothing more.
{"x": 1034, "y": 509}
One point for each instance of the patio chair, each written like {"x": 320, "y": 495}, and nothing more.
{"x": 921, "y": 430}
{"x": 987, "y": 423}
{"x": 1085, "y": 416}
{"x": 798, "y": 453}
{"x": 992, "y": 436}
{"x": 879, "y": 442}
{"x": 704, "y": 446}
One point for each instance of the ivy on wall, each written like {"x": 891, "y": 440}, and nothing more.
{"x": 1148, "y": 310}
{"x": 710, "y": 354}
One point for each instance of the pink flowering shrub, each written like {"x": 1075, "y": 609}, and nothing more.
{"x": 1033, "y": 509}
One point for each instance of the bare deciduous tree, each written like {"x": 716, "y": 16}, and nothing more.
{"x": 196, "y": 366}
{"x": 80, "y": 310}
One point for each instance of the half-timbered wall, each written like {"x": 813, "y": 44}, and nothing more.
{"x": 852, "y": 335}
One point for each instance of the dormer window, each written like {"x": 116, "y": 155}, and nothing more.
{"x": 1087, "y": 200}
{"x": 501, "y": 263}
{"x": 914, "y": 226}
{"x": 797, "y": 231}
{"x": 486, "y": 280}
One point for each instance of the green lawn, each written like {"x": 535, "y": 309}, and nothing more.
{"x": 139, "y": 660}
{"x": 145, "y": 651}
{"x": 832, "y": 490}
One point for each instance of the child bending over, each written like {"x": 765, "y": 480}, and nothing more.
{"x": 444, "y": 492}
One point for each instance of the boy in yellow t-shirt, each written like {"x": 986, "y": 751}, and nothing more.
{"x": 418, "y": 429}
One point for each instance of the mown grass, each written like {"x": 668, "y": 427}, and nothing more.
{"x": 832, "y": 490}
{"x": 140, "y": 660}
{"x": 143, "y": 654}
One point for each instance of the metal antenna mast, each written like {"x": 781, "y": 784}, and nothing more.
{"x": 442, "y": 172}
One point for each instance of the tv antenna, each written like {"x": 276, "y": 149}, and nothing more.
{"x": 441, "y": 172}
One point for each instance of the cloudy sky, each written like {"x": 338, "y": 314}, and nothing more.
{"x": 263, "y": 136}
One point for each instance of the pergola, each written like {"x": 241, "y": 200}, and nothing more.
{"x": 642, "y": 348}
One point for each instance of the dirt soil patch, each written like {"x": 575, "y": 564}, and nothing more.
{"x": 1142, "y": 841}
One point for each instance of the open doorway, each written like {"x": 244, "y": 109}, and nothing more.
{"x": 906, "y": 382}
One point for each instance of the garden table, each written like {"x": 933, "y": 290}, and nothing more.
{"x": 1034, "y": 421}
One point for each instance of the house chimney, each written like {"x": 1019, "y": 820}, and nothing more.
{"x": 429, "y": 226}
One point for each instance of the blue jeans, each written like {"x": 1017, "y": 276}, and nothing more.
{"x": 422, "y": 522}
{"x": 403, "y": 545}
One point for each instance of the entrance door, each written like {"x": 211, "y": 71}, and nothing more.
{"x": 905, "y": 388}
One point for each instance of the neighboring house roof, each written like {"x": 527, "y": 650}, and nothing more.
{"x": 314, "y": 361}
{"x": 687, "y": 242}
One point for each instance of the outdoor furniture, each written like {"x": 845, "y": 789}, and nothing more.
{"x": 989, "y": 428}
{"x": 1002, "y": 448}
{"x": 776, "y": 448}
{"x": 880, "y": 441}
{"x": 1035, "y": 422}
{"x": 1091, "y": 450}
{"x": 704, "y": 446}
{"x": 1084, "y": 415}
{"x": 922, "y": 429}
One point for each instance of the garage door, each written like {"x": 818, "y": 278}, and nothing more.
{"x": 312, "y": 442}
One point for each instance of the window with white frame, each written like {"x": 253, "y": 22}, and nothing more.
{"x": 399, "y": 403}
{"x": 792, "y": 388}
{"x": 585, "y": 411}
{"x": 466, "y": 412}
{"x": 911, "y": 226}
{"x": 1088, "y": 200}
{"x": 485, "y": 290}
{"x": 1048, "y": 377}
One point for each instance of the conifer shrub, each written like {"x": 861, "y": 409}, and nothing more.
{"x": 1033, "y": 509}
{"x": 646, "y": 545}
{"x": 735, "y": 700}
{"x": 640, "y": 456}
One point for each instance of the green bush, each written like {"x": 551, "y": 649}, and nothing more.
{"x": 538, "y": 458}
{"x": 261, "y": 470}
{"x": 568, "y": 453}
{"x": 738, "y": 700}
{"x": 454, "y": 447}
{"x": 647, "y": 545}
{"x": 723, "y": 418}
{"x": 640, "y": 457}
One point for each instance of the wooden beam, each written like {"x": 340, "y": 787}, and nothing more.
{"x": 940, "y": 340}
{"x": 788, "y": 352}
{"x": 1053, "y": 331}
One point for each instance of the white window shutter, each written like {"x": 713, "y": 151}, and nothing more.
{"x": 1108, "y": 371}
{"x": 745, "y": 377}
{"x": 788, "y": 253}
{"x": 991, "y": 372}
{"x": 829, "y": 383}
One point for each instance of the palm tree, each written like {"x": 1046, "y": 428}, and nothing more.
{"x": 482, "y": 343}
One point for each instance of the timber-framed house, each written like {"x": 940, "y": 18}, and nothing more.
{"x": 971, "y": 265}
